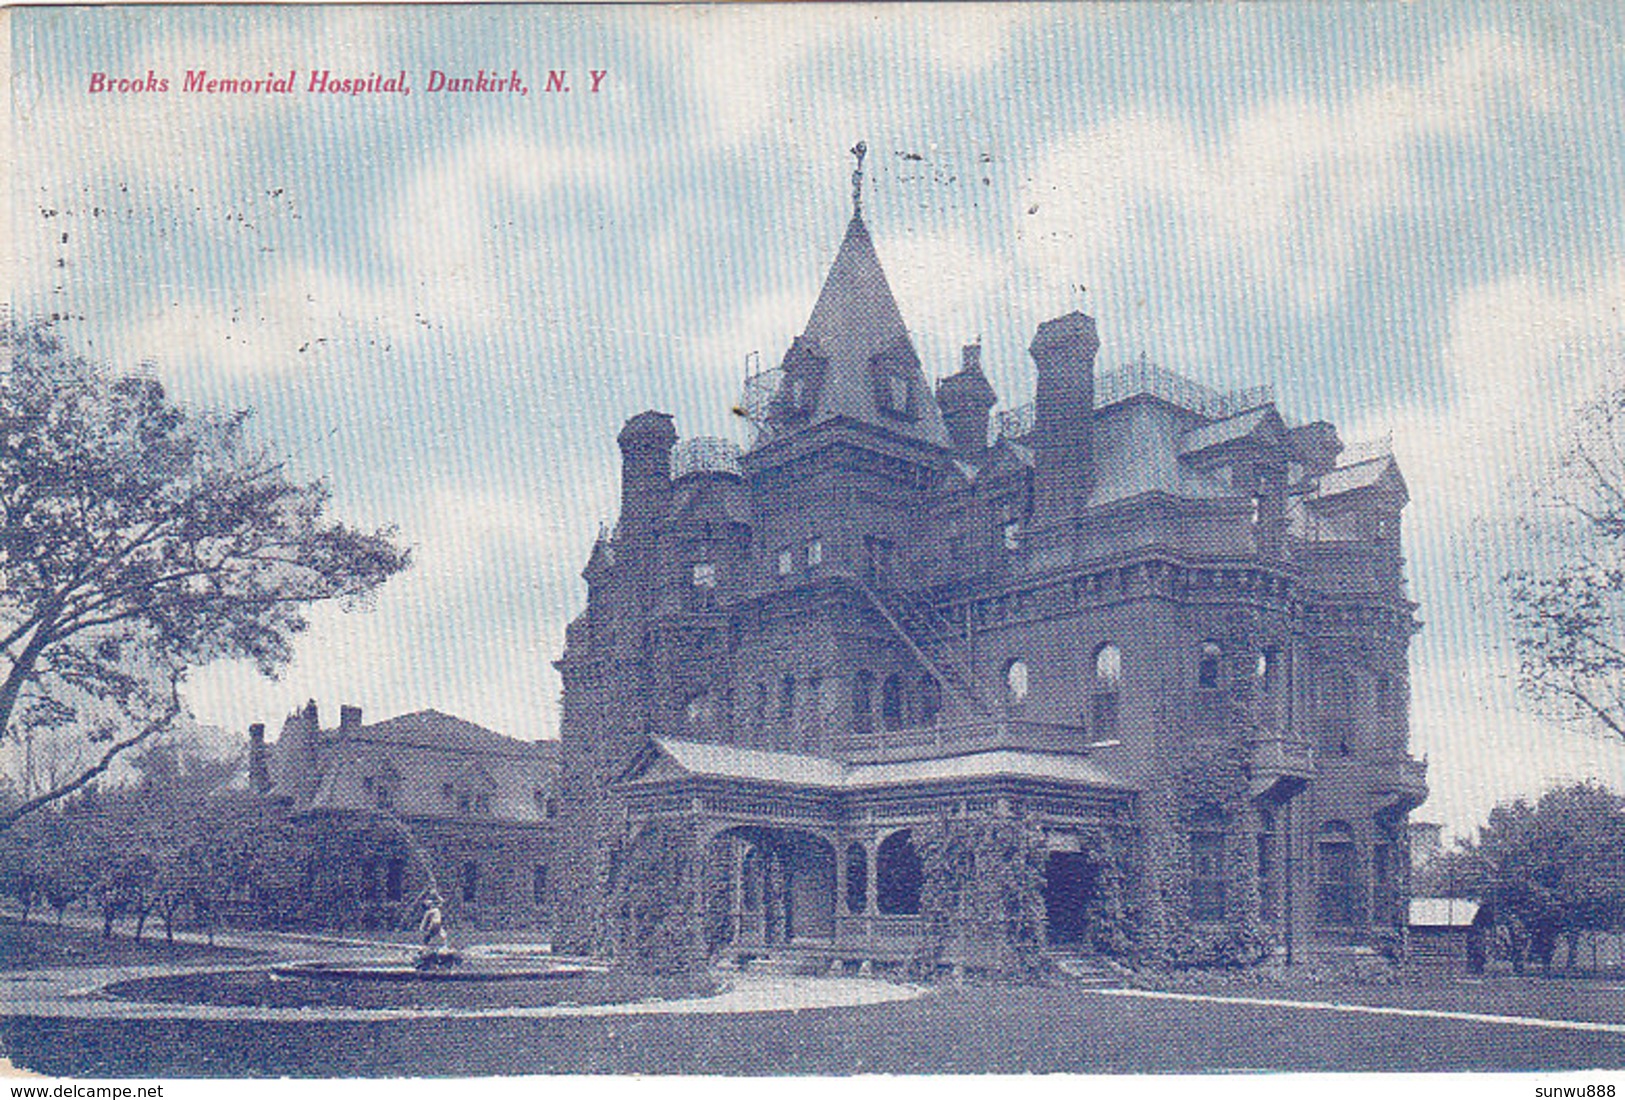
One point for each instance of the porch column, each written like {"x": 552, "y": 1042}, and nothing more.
{"x": 871, "y": 901}
{"x": 840, "y": 881}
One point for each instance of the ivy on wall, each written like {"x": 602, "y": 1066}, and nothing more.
{"x": 983, "y": 895}
{"x": 658, "y": 900}
{"x": 1208, "y": 791}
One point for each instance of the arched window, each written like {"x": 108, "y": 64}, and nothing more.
{"x": 1269, "y": 669}
{"x": 1016, "y": 683}
{"x": 1103, "y": 699}
{"x": 1207, "y": 666}
{"x": 857, "y": 880}
{"x": 892, "y": 704}
{"x": 1108, "y": 667}
{"x": 1335, "y": 874}
{"x": 1266, "y": 865}
{"x": 899, "y": 875}
{"x": 930, "y": 700}
{"x": 1207, "y": 864}
{"x": 863, "y": 701}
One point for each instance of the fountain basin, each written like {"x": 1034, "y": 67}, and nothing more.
{"x": 481, "y": 970}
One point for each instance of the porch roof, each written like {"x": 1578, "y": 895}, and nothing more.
{"x": 694, "y": 759}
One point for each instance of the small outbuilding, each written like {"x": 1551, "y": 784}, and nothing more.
{"x": 1449, "y": 932}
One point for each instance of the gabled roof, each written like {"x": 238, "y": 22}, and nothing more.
{"x": 666, "y": 759}
{"x": 1261, "y": 425}
{"x": 1442, "y": 912}
{"x": 855, "y": 323}
{"x": 1380, "y": 473}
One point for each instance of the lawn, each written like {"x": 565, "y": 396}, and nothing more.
{"x": 40, "y": 945}
{"x": 260, "y": 988}
{"x": 968, "y": 1030}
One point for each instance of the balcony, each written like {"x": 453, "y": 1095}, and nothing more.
{"x": 952, "y": 738}
{"x": 1400, "y": 783}
{"x": 1282, "y": 765}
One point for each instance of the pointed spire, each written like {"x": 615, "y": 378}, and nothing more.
{"x": 858, "y": 150}
{"x": 854, "y": 360}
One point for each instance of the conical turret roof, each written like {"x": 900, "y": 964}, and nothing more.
{"x": 866, "y": 366}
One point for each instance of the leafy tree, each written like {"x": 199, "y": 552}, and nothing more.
{"x": 1551, "y": 869}
{"x": 1569, "y": 613}
{"x": 138, "y": 538}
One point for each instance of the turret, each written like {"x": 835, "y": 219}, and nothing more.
{"x": 965, "y": 399}
{"x": 646, "y": 442}
{"x": 1063, "y": 432}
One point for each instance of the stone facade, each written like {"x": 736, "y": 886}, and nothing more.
{"x": 420, "y": 800}
{"x": 893, "y": 607}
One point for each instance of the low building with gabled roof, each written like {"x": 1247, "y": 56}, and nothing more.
{"x": 419, "y": 801}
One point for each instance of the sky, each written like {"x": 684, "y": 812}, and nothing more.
{"x": 1406, "y": 218}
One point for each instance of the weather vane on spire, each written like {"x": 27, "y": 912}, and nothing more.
{"x": 858, "y": 151}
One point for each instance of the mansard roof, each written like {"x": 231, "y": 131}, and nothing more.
{"x": 856, "y": 336}
{"x": 667, "y": 759}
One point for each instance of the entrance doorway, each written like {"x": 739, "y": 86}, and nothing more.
{"x": 1069, "y": 888}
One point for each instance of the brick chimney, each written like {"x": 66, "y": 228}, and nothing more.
{"x": 349, "y": 718}
{"x": 259, "y": 764}
{"x": 1063, "y": 431}
{"x": 965, "y": 399}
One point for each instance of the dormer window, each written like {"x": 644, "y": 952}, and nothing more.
{"x": 891, "y": 372}
{"x": 381, "y": 787}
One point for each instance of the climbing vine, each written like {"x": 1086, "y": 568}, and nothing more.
{"x": 657, "y": 914}
{"x": 1208, "y": 792}
{"x": 983, "y": 895}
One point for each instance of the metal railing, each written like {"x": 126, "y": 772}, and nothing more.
{"x": 980, "y": 734}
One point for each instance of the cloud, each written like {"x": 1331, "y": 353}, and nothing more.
{"x": 1284, "y": 198}
{"x": 1521, "y": 354}
{"x": 472, "y": 629}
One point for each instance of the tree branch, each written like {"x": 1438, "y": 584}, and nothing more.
{"x": 171, "y": 712}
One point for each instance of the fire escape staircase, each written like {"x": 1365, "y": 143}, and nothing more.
{"x": 929, "y": 637}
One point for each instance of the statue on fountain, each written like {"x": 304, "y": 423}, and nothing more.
{"x": 437, "y": 950}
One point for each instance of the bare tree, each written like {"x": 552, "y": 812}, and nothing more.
{"x": 1569, "y": 606}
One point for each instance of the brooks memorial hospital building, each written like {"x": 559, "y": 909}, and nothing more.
{"x": 1162, "y": 622}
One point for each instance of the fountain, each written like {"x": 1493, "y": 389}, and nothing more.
{"x": 438, "y": 960}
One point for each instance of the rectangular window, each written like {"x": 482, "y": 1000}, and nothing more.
{"x": 1010, "y": 535}
{"x": 787, "y": 563}
{"x": 1207, "y": 876}
{"x": 705, "y": 574}
{"x": 1336, "y": 893}
{"x": 1103, "y": 721}
{"x": 538, "y": 884}
{"x": 394, "y": 879}
{"x": 369, "y": 880}
{"x": 787, "y": 696}
{"x": 471, "y": 881}
{"x": 815, "y": 552}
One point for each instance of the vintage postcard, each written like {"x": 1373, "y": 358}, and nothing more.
{"x": 813, "y": 541}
